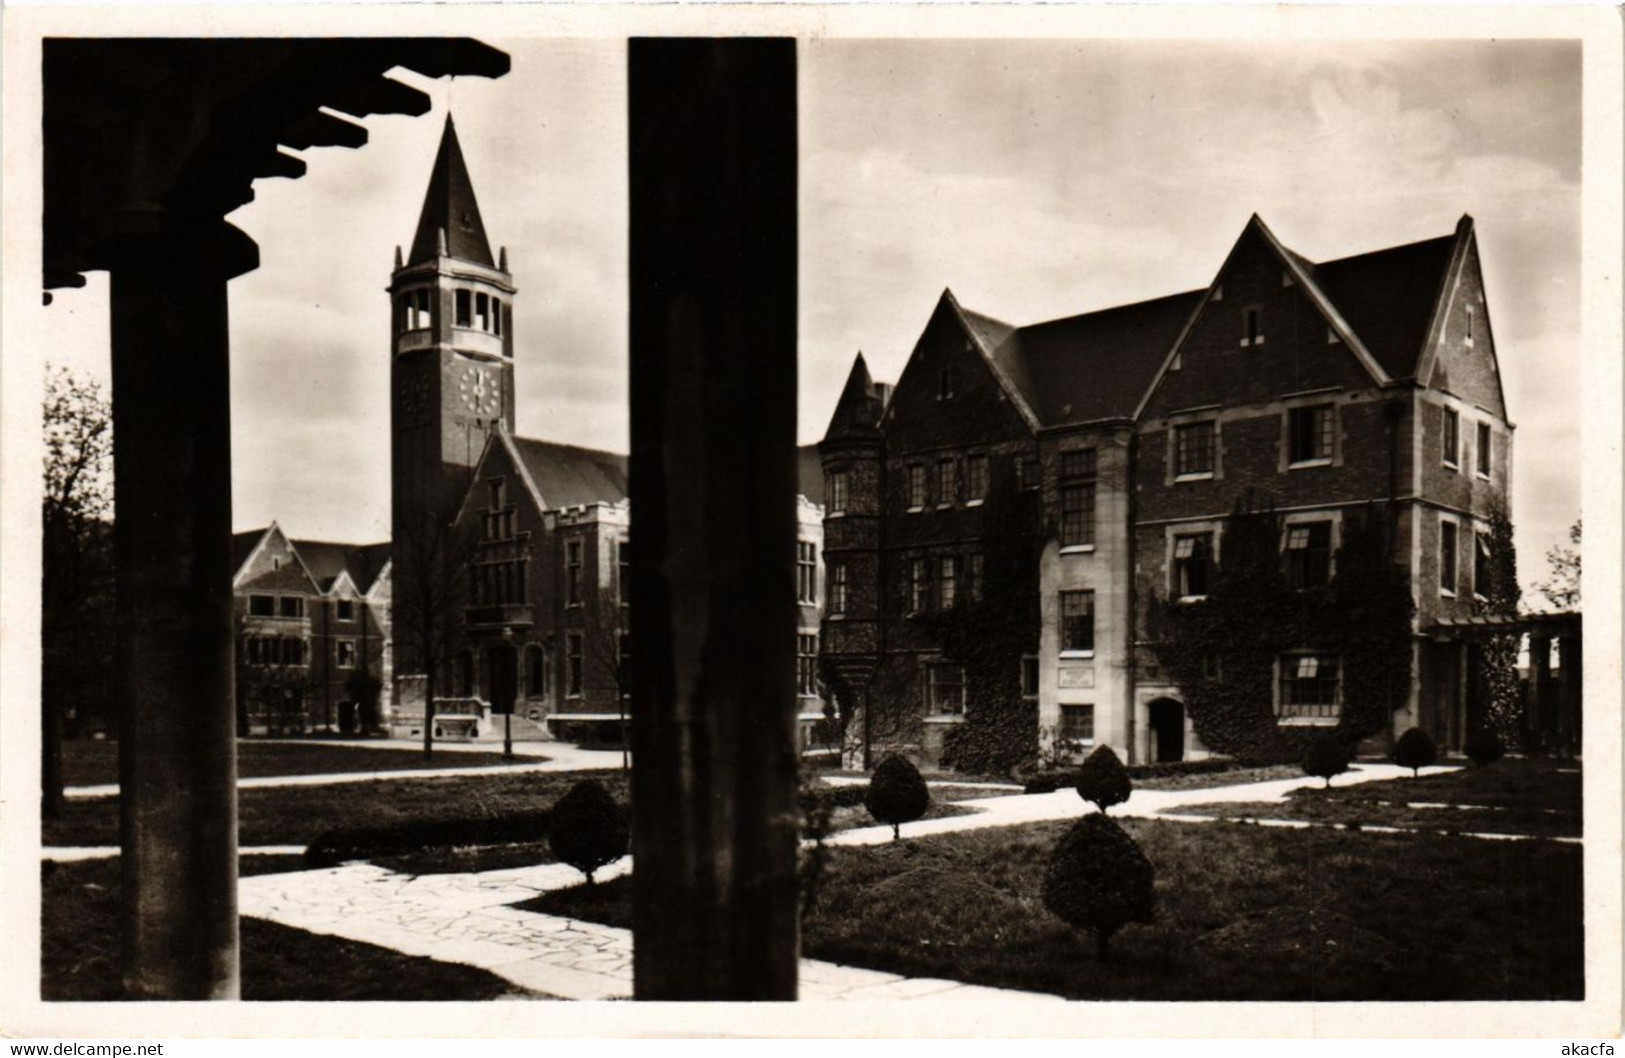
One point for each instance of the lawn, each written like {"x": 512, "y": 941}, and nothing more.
{"x": 1244, "y": 913}
{"x": 79, "y": 951}
{"x": 87, "y": 762}
{"x": 1529, "y": 797}
{"x": 297, "y": 815}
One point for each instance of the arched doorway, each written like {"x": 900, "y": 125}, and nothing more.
{"x": 1167, "y": 722}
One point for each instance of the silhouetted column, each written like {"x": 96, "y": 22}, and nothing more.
{"x": 1540, "y": 668}
{"x": 1569, "y": 692}
{"x": 172, "y": 469}
{"x": 713, "y": 485}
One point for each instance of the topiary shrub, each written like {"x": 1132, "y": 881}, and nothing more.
{"x": 1102, "y": 780}
{"x": 1328, "y": 756}
{"x": 1099, "y": 881}
{"x": 1415, "y": 750}
{"x": 897, "y": 794}
{"x": 1484, "y": 748}
{"x": 589, "y": 828}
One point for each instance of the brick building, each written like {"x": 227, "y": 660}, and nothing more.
{"x": 539, "y": 532}
{"x": 311, "y": 622}
{"x": 1084, "y": 468}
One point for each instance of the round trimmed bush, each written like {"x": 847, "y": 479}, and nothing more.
{"x": 897, "y": 794}
{"x": 1415, "y": 750}
{"x": 1099, "y": 881}
{"x": 1484, "y": 748}
{"x": 589, "y": 829}
{"x": 1328, "y": 755}
{"x": 1102, "y": 780}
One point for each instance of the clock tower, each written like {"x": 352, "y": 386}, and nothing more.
{"x": 451, "y": 343}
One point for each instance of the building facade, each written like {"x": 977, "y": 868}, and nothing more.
{"x": 511, "y": 553}
{"x": 312, "y": 634}
{"x": 1055, "y": 484}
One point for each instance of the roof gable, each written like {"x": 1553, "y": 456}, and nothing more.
{"x": 568, "y": 476}
{"x": 1390, "y": 297}
{"x": 327, "y": 562}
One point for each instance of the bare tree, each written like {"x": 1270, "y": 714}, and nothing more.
{"x": 1562, "y": 588}
{"x": 77, "y": 627}
{"x": 606, "y": 635}
{"x": 430, "y": 557}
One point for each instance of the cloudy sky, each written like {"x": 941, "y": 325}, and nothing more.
{"x": 1036, "y": 179}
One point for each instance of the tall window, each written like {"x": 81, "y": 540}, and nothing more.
{"x": 1452, "y": 438}
{"x": 1193, "y": 564}
{"x": 973, "y": 576}
{"x": 416, "y": 312}
{"x": 948, "y": 575}
{"x": 1485, "y": 449}
{"x": 1470, "y": 326}
{"x": 947, "y": 485}
{"x": 1077, "y": 723}
{"x": 1252, "y": 327}
{"x": 946, "y": 688}
{"x": 1309, "y": 433}
{"x": 837, "y": 587}
{"x": 975, "y": 479}
{"x": 572, "y": 573}
{"x": 807, "y": 572}
{"x": 1481, "y": 564}
{"x": 1447, "y": 557}
{"x": 345, "y": 653}
{"x": 807, "y": 665}
{"x": 1029, "y": 475}
{"x": 572, "y": 663}
{"x": 1077, "y": 621}
{"x": 1077, "y": 478}
{"x": 535, "y": 672}
{"x": 945, "y": 383}
{"x": 916, "y": 487}
{"x": 1193, "y": 448}
{"x": 840, "y": 484}
{"x": 1308, "y": 554}
{"x": 919, "y": 589}
{"x": 1309, "y": 686}
{"x": 482, "y": 312}
{"x": 1029, "y": 676}
{"x": 463, "y": 317}
{"x": 623, "y": 571}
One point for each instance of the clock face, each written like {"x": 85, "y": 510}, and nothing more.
{"x": 414, "y": 395}
{"x": 479, "y": 391}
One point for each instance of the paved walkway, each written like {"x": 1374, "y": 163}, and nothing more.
{"x": 467, "y": 918}
{"x": 1143, "y": 804}
{"x": 560, "y": 756}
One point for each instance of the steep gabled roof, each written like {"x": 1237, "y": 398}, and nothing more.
{"x": 243, "y": 545}
{"x": 326, "y": 560}
{"x": 1389, "y": 297}
{"x": 1098, "y": 365}
{"x": 568, "y": 476}
{"x": 449, "y": 206}
{"x": 857, "y": 411}
{"x": 993, "y": 340}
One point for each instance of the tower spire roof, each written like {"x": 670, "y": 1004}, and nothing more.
{"x": 449, "y": 207}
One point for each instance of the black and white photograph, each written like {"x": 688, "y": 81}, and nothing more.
{"x": 1006, "y": 521}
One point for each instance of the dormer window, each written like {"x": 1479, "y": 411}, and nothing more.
{"x": 1252, "y": 327}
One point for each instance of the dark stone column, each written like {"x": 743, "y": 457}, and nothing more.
{"x": 1570, "y": 649}
{"x": 172, "y": 469}
{"x": 1540, "y": 668}
{"x": 713, "y": 484}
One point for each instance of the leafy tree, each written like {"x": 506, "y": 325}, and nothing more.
{"x": 1328, "y": 756}
{"x": 1562, "y": 586}
{"x": 897, "y": 794}
{"x": 1099, "y": 881}
{"x": 1415, "y": 750}
{"x": 1501, "y": 595}
{"x": 588, "y": 829}
{"x": 1102, "y": 779}
{"x": 77, "y": 623}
